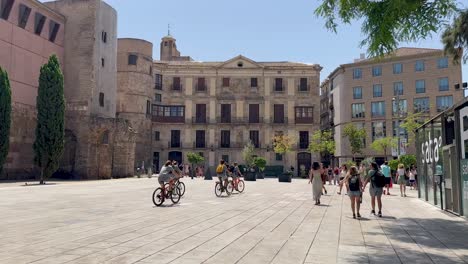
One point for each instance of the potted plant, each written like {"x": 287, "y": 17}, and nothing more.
{"x": 248, "y": 156}
{"x": 194, "y": 158}
{"x": 260, "y": 164}
{"x": 282, "y": 144}
{"x": 285, "y": 176}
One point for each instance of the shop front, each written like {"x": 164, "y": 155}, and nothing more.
{"x": 442, "y": 159}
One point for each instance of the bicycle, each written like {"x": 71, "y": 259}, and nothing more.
{"x": 238, "y": 184}
{"x": 219, "y": 189}
{"x": 174, "y": 195}
{"x": 180, "y": 186}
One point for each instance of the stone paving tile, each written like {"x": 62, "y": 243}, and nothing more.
{"x": 115, "y": 222}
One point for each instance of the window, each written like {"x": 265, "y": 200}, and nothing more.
{"x": 303, "y": 87}
{"x": 225, "y": 113}
{"x": 357, "y": 73}
{"x": 53, "y": 30}
{"x": 104, "y": 36}
{"x": 200, "y": 139}
{"x": 397, "y": 68}
{"x": 396, "y": 125}
{"x": 304, "y": 114}
{"x": 278, "y": 114}
{"x": 377, "y": 90}
{"x": 105, "y": 137}
{"x": 175, "y": 139}
{"x": 254, "y": 138}
{"x": 379, "y": 130}
{"x": 278, "y": 156}
{"x": 254, "y": 113}
{"x": 5, "y": 8}
{"x": 279, "y": 85}
{"x": 465, "y": 123}
{"x": 397, "y": 88}
{"x": 148, "y": 107}
{"x": 378, "y": 109}
{"x": 358, "y": 111}
{"x": 132, "y": 59}
{"x": 23, "y": 17}
{"x": 225, "y": 138}
{"x": 39, "y": 23}
{"x": 156, "y": 136}
{"x": 200, "y": 113}
{"x": 443, "y": 84}
{"x": 442, "y": 63}
{"x": 253, "y": 82}
{"x": 444, "y": 102}
{"x": 303, "y": 139}
{"x": 401, "y": 110}
{"x": 357, "y": 93}
{"x": 168, "y": 111}
{"x": 101, "y": 99}
{"x": 157, "y": 97}
{"x": 176, "y": 84}
{"x": 421, "y": 105}
{"x": 151, "y": 70}
{"x": 376, "y": 71}
{"x": 419, "y": 66}
{"x": 201, "y": 86}
{"x": 420, "y": 86}
{"x": 102, "y": 62}
{"x": 226, "y": 82}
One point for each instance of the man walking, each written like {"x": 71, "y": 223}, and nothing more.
{"x": 388, "y": 176}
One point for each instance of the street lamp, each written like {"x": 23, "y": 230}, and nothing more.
{"x": 396, "y": 100}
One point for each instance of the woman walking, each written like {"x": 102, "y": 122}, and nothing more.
{"x": 343, "y": 173}
{"x": 316, "y": 180}
{"x": 354, "y": 185}
{"x": 415, "y": 177}
{"x": 401, "y": 176}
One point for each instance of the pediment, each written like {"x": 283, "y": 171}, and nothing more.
{"x": 240, "y": 62}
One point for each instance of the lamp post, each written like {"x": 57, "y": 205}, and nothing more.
{"x": 396, "y": 99}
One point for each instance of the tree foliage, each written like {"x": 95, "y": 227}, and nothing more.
{"x": 283, "y": 144}
{"x": 50, "y": 133}
{"x": 195, "y": 158}
{"x": 5, "y": 116}
{"x": 322, "y": 142}
{"x": 386, "y": 23}
{"x": 410, "y": 123}
{"x": 393, "y": 164}
{"x": 248, "y": 154}
{"x": 381, "y": 145}
{"x": 408, "y": 160}
{"x": 260, "y": 163}
{"x": 455, "y": 37}
{"x": 355, "y": 137}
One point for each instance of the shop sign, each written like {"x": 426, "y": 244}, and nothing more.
{"x": 464, "y": 176}
{"x": 430, "y": 149}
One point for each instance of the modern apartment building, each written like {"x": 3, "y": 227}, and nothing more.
{"x": 215, "y": 108}
{"x": 377, "y": 94}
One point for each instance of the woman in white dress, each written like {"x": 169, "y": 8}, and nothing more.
{"x": 316, "y": 180}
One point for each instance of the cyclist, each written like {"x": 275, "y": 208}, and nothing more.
{"x": 221, "y": 172}
{"x": 236, "y": 174}
{"x": 177, "y": 172}
{"x": 165, "y": 175}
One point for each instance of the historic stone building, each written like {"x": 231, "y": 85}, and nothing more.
{"x": 377, "y": 94}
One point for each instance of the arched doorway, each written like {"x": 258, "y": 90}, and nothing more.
{"x": 175, "y": 155}
{"x": 304, "y": 162}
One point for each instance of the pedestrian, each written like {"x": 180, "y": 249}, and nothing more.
{"x": 336, "y": 175}
{"x": 323, "y": 176}
{"x": 415, "y": 175}
{"x": 388, "y": 177}
{"x": 401, "y": 179}
{"x": 344, "y": 171}
{"x": 377, "y": 182}
{"x": 354, "y": 185}
{"x": 316, "y": 180}
{"x": 330, "y": 175}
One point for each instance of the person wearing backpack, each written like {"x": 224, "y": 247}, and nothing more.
{"x": 221, "y": 172}
{"x": 354, "y": 185}
{"x": 377, "y": 182}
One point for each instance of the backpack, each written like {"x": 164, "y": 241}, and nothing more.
{"x": 231, "y": 169}
{"x": 378, "y": 180}
{"x": 354, "y": 186}
{"x": 219, "y": 169}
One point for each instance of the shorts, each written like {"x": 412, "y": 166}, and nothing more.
{"x": 388, "y": 180}
{"x": 375, "y": 191}
{"x": 354, "y": 193}
{"x": 412, "y": 181}
{"x": 222, "y": 177}
{"x": 164, "y": 178}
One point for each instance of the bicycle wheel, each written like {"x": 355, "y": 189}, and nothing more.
{"x": 240, "y": 186}
{"x": 181, "y": 188}
{"x": 218, "y": 190}
{"x": 175, "y": 196}
{"x": 230, "y": 188}
{"x": 158, "y": 198}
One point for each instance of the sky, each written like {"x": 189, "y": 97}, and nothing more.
{"x": 263, "y": 30}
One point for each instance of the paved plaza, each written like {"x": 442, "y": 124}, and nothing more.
{"x": 115, "y": 222}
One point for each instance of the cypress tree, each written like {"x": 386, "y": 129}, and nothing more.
{"x": 5, "y": 116}
{"x": 50, "y": 129}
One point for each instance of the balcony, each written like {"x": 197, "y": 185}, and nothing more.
{"x": 255, "y": 120}
{"x": 199, "y": 120}
{"x": 169, "y": 119}
{"x": 280, "y": 120}
{"x": 174, "y": 144}
{"x": 278, "y": 88}
{"x": 199, "y": 145}
{"x": 232, "y": 145}
{"x": 200, "y": 88}
{"x": 303, "y": 88}
{"x": 176, "y": 87}
{"x": 304, "y": 120}
{"x": 158, "y": 86}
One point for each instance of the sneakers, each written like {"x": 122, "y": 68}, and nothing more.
{"x": 358, "y": 215}
{"x": 372, "y": 212}
{"x": 354, "y": 216}
{"x": 380, "y": 214}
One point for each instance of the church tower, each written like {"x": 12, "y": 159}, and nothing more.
{"x": 169, "y": 50}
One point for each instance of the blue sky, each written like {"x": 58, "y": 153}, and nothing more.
{"x": 214, "y": 30}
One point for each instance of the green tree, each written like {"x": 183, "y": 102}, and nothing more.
{"x": 322, "y": 142}
{"x": 260, "y": 163}
{"x": 393, "y": 164}
{"x": 455, "y": 37}
{"x": 5, "y": 116}
{"x": 194, "y": 159}
{"x": 282, "y": 144}
{"x": 386, "y": 23}
{"x": 381, "y": 145}
{"x": 248, "y": 154}
{"x": 408, "y": 160}
{"x": 410, "y": 123}
{"x": 355, "y": 137}
{"x": 50, "y": 132}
